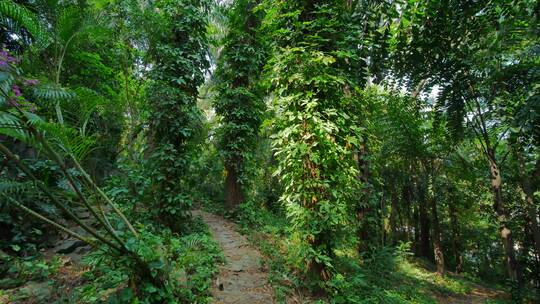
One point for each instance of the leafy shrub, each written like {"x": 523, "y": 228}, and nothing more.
{"x": 188, "y": 263}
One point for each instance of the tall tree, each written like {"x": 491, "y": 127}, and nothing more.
{"x": 238, "y": 100}
{"x": 179, "y": 50}
{"x": 464, "y": 47}
{"x": 316, "y": 133}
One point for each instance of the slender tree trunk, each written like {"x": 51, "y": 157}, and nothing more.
{"x": 456, "y": 239}
{"x": 512, "y": 266}
{"x": 437, "y": 248}
{"x": 363, "y": 208}
{"x": 425, "y": 242}
{"x": 414, "y": 219}
{"x": 511, "y": 262}
{"x": 526, "y": 184}
{"x": 532, "y": 213}
{"x": 393, "y": 217}
{"x": 233, "y": 189}
{"x": 383, "y": 222}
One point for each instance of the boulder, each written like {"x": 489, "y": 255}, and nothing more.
{"x": 68, "y": 246}
{"x": 39, "y": 291}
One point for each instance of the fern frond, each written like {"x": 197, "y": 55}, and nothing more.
{"x": 50, "y": 92}
{"x": 16, "y": 187}
{"x": 88, "y": 102}
{"x": 6, "y": 81}
{"x": 67, "y": 140}
{"x": 62, "y": 137}
{"x": 192, "y": 241}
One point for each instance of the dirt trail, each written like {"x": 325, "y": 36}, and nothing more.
{"x": 478, "y": 295}
{"x": 241, "y": 280}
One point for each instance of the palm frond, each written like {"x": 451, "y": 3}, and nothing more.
{"x": 11, "y": 126}
{"x": 15, "y": 16}
{"x": 69, "y": 23}
{"x": 88, "y": 102}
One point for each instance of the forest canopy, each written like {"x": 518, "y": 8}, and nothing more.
{"x": 269, "y": 151}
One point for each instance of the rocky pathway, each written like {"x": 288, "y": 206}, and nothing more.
{"x": 241, "y": 279}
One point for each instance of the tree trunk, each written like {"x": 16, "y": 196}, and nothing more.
{"x": 512, "y": 266}
{"x": 437, "y": 248}
{"x": 393, "y": 217}
{"x": 425, "y": 242}
{"x": 532, "y": 213}
{"x": 456, "y": 239}
{"x": 413, "y": 219}
{"x": 363, "y": 208}
{"x": 233, "y": 189}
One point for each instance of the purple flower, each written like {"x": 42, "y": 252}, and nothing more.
{"x": 11, "y": 59}
{"x": 6, "y": 58}
{"x": 16, "y": 90}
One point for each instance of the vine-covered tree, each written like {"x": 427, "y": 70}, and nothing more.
{"x": 238, "y": 100}
{"x": 179, "y": 51}
{"x": 315, "y": 136}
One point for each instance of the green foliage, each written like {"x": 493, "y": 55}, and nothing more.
{"x": 238, "y": 99}
{"x": 355, "y": 134}
{"x": 28, "y": 268}
{"x": 175, "y": 121}
{"x": 79, "y": 81}
{"x": 188, "y": 261}
{"x": 314, "y": 138}
{"x": 15, "y": 17}
{"x": 52, "y": 93}
{"x": 206, "y": 179}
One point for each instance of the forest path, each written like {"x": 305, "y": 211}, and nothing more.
{"x": 478, "y": 295}
{"x": 241, "y": 279}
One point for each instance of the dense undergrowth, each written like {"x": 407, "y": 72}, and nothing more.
{"x": 374, "y": 151}
{"x": 189, "y": 258}
{"x": 383, "y": 275}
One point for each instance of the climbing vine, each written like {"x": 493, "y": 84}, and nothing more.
{"x": 315, "y": 136}
{"x": 179, "y": 51}
{"x": 239, "y": 101}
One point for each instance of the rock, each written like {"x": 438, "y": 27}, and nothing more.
{"x": 79, "y": 230}
{"x": 77, "y": 255}
{"x": 83, "y": 250}
{"x": 36, "y": 290}
{"x": 68, "y": 246}
{"x": 240, "y": 280}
